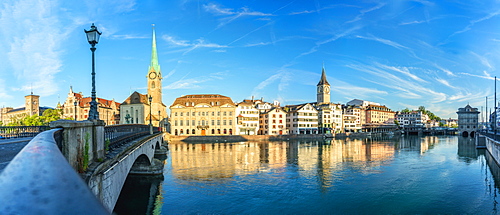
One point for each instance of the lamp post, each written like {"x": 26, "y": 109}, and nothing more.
{"x": 150, "y": 112}
{"x": 75, "y": 103}
{"x": 93, "y": 38}
{"x": 150, "y": 99}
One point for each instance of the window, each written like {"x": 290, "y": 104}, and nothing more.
{"x": 187, "y": 122}
{"x": 230, "y": 122}
{"x": 213, "y": 123}
{"x": 223, "y": 122}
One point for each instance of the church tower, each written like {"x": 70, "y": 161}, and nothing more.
{"x": 32, "y": 104}
{"x": 323, "y": 89}
{"x": 158, "y": 109}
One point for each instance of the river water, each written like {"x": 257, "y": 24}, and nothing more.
{"x": 408, "y": 175}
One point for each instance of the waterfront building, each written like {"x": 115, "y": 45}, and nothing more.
{"x": 329, "y": 117}
{"x": 12, "y": 115}
{"x": 134, "y": 109}
{"x": 273, "y": 122}
{"x": 379, "y": 114}
{"x": 204, "y": 114}
{"x": 138, "y": 106}
{"x": 352, "y": 118}
{"x": 412, "y": 120}
{"x": 449, "y": 122}
{"x": 77, "y": 107}
{"x": 361, "y": 103}
{"x": 302, "y": 119}
{"x": 247, "y": 117}
{"x": 468, "y": 120}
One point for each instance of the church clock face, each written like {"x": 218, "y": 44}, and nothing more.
{"x": 327, "y": 89}
{"x": 152, "y": 75}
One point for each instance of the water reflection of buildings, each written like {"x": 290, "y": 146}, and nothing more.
{"x": 215, "y": 161}
{"x": 418, "y": 143}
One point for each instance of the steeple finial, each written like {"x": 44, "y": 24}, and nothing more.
{"x": 323, "y": 80}
{"x": 154, "y": 55}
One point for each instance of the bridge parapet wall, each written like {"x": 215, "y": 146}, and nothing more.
{"x": 79, "y": 136}
{"x": 107, "y": 180}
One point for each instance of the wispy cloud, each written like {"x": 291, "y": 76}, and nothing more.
{"x": 198, "y": 43}
{"x": 303, "y": 12}
{"x": 364, "y": 11}
{"x": 35, "y": 55}
{"x": 194, "y": 83}
{"x": 446, "y": 83}
{"x": 402, "y": 70}
{"x": 254, "y": 30}
{"x": 384, "y": 41}
{"x": 486, "y": 76}
{"x": 412, "y": 22}
{"x": 473, "y": 22}
{"x": 404, "y": 88}
{"x": 231, "y": 14}
{"x": 127, "y": 37}
{"x": 483, "y": 60}
{"x": 448, "y": 72}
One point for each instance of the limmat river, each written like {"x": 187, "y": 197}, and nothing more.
{"x": 407, "y": 175}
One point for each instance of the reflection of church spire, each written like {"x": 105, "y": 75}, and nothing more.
{"x": 154, "y": 55}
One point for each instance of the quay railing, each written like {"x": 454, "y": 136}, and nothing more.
{"x": 118, "y": 135}
{"x": 21, "y": 131}
{"x": 39, "y": 180}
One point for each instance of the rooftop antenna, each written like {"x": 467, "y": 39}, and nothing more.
{"x": 31, "y": 88}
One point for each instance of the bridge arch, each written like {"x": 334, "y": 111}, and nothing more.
{"x": 108, "y": 179}
{"x": 465, "y": 134}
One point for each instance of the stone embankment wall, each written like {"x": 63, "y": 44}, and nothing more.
{"x": 492, "y": 146}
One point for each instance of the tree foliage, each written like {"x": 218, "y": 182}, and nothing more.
{"x": 48, "y": 116}
{"x": 422, "y": 109}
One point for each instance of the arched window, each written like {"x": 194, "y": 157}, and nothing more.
{"x": 225, "y": 131}
{"x": 176, "y": 132}
{"x": 153, "y": 84}
{"x": 194, "y": 131}
{"x": 213, "y": 131}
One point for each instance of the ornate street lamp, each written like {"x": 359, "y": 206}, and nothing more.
{"x": 150, "y": 99}
{"x": 93, "y": 38}
{"x": 75, "y": 103}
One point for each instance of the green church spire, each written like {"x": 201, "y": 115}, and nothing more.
{"x": 154, "y": 55}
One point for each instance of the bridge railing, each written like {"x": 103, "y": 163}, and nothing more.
{"x": 118, "y": 135}
{"x": 21, "y": 131}
{"x": 39, "y": 180}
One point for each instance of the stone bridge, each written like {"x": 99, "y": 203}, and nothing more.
{"x": 102, "y": 156}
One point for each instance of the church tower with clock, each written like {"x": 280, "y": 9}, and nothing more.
{"x": 154, "y": 77}
{"x": 323, "y": 89}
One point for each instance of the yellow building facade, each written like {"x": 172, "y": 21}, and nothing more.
{"x": 204, "y": 114}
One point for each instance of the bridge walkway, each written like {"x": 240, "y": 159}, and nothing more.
{"x": 9, "y": 148}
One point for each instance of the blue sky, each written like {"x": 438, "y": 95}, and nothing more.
{"x": 403, "y": 54}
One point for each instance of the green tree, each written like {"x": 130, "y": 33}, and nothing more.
{"x": 406, "y": 110}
